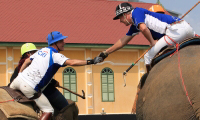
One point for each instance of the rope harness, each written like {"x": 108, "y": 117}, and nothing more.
{"x": 7, "y": 101}
{"x": 179, "y": 66}
{"x": 197, "y": 35}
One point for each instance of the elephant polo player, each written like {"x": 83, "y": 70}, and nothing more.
{"x": 40, "y": 69}
{"x": 168, "y": 30}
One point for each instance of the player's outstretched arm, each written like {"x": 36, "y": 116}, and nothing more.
{"x": 119, "y": 44}
{"x": 76, "y": 62}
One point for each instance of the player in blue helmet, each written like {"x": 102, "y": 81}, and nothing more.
{"x": 40, "y": 69}
{"x": 168, "y": 30}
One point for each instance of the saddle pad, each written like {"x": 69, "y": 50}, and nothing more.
{"x": 13, "y": 109}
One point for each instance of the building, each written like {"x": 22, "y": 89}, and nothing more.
{"x": 91, "y": 29}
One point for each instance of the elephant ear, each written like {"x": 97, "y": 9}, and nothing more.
{"x": 70, "y": 112}
{"x": 142, "y": 81}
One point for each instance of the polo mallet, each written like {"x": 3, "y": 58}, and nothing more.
{"x": 124, "y": 73}
{"x": 190, "y": 10}
{"x": 82, "y": 96}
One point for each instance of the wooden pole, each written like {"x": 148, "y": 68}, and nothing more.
{"x": 124, "y": 73}
{"x": 190, "y": 10}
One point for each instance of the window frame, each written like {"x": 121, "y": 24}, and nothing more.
{"x": 107, "y": 73}
{"x": 69, "y": 73}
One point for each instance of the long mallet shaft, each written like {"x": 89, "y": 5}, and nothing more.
{"x": 190, "y": 10}
{"x": 136, "y": 61}
{"x": 82, "y": 96}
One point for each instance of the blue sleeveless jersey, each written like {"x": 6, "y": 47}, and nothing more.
{"x": 156, "y": 22}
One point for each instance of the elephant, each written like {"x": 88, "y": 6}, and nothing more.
{"x": 171, "y": 90}
{"x": 12, "y": 110}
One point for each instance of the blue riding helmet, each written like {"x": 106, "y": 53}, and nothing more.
{"x": 54, "y": 37}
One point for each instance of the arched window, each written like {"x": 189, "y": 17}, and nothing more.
{"x": 107, "y": 85}
{"x": 69, "y": 81}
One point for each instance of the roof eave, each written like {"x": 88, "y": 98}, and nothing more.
{"x": 74, "y": 45}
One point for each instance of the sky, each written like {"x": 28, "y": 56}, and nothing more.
{"x": 181, "y": 7}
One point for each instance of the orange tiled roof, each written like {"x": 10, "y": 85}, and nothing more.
{"x": 83, "y": 21}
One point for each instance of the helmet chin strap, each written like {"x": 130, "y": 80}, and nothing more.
{"x": 30, "y": 53}
{"x": 57, "y": 47}
{"x": 126, "y": 20}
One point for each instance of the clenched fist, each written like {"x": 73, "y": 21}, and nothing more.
{"x": 103, "y": 55}
{"x": 95, "y": 60}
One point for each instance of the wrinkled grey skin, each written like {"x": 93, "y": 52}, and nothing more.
{"x": 163, "y": 97}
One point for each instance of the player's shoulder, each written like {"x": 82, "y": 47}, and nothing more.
{"x": 140, "y": 9}
{"x": 60, "y": 55}
{"x": 45, "y": 49}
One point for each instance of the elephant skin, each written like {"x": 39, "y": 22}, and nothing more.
{"x": 163, "y": 97}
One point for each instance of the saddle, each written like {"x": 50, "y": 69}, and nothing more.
{"x": 20, "y": 97}
{"x": 170, "y": 50}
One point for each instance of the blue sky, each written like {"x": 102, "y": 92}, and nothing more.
{"x": 182, "y": 6}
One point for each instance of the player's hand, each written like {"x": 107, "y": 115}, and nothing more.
{"x": 98, "y": 60}
{"x": 103, "y": 54}
{"x": 95, "y": 60}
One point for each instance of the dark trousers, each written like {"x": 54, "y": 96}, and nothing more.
{"x": 55, "y": 97}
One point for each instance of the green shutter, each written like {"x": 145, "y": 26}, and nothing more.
{"x": 111, "y": 96}
{"x": 69, "y": 80}
{"x": 66, "y": 86}
{"x": 110, "y": 88}
{"x": 110, "y": 79}
{"x": 66, "y": 78}
{"x": 104, "y": 79}
{"x": 105, "y": 96}
{"x": 73, "y": 87}
{"x": 104, "y": 88}
{"x": 107, "y": 85}
{"x": 73, "y": 97}
{"x": 73, "y": 78}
